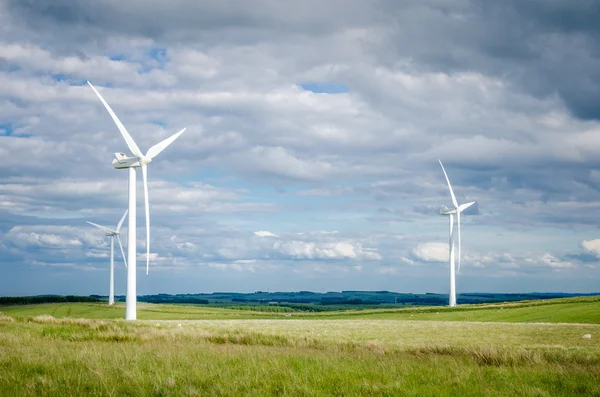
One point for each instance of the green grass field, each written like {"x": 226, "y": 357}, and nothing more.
{"x": 567, "y": 310}
{"x": 528, "y": 349}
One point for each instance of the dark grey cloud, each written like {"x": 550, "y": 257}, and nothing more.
{"x": 189, "y": 20}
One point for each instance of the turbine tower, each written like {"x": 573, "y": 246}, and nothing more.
{"x": 139, "y": 160}
{"x": 112, "y": 234}
{"x": 451, "y": 212}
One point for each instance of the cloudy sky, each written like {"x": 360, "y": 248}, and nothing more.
{"x": 313, "y": 134}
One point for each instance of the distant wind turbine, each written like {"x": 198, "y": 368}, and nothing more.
{"x": 450, "y": 212}
{"x": 121, "y": 161}
{"x": 112, "y": 234}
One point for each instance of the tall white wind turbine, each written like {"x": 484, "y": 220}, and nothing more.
{"x": 139, "y": 160}
{"x": 451, "y": 212}
{"x": 112, "y": 234}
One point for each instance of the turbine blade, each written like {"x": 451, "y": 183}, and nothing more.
{"x": 159, "y": 147}
{"x": 147, "y": 205}
{"x": 121, "y": 221}
{"x": 449, "y": 186}
{"x": 128, "y": 139}
{"x": 103, "y": 228}
{"x": 463, "y": 207}
{"x": 122, "y": 252}
{"x": 458, "y": 221}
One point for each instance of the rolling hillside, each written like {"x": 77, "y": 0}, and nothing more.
{"x": 585, "y": 310}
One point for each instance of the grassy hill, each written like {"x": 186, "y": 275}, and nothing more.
{"x": 585, "y": 310}
{"x": 566, "y": 310}
{"x": 193, "y": 350}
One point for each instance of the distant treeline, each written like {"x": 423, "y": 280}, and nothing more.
{"x": 30, "y": 300}
{"x": 164, "y": 298}
{"x": 316, "y": 301}
{"x": 302, "y": 300}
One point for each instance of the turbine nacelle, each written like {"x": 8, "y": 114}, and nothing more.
{"x": 447, "y": 211}
{"x": 122, "y": 161}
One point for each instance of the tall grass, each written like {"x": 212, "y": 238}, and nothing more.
{"x": 44, "y": 355}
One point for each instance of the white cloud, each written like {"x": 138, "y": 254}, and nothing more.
{"x": 555, "y": 263}
{"x": 431, "y": 252}
{"x": 94, "y": 68}
{"x": 592, "y": 246}
{"x": 492, "y": 262}
{"x": 68, "y": 265}
{"x": 264, "y": 233}
{"x": 186, "y": 246}
{"x": 407, "y": 261}
{"x": 266, "y": 245}
{"x": 46, "y": 237}
{"x": 329, "y": 250}
{"x": 237, "y": 266}
{"x": 94, "y": 254}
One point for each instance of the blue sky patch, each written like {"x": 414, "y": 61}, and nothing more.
{"x": 6, "y": 129}
{"x": 325, "y": 88}
{"x": 158, "y": 54}
{"x": 65, "y": 78}
{"x": 60, "y": 77}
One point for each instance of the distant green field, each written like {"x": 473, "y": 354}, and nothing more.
{"x": 584, "y": 310}
{"x": 145, "y": 311}
{"x": 568, "y": 310}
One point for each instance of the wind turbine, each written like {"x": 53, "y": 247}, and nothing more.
{"x": 139, "y": 160}
{"x": 451, "y": 212}
{"x": 112, "y": 234}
